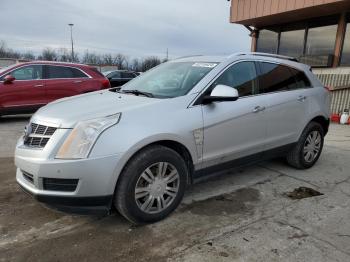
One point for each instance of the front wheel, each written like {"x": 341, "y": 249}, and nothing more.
{"x": 151, "y": 185}
{"x": 309, "y": 147}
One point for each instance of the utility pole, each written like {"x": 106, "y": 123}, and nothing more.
{"x": 71, "y": 38}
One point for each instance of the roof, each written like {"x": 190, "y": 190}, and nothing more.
{"x": 55, "y": 63}
{"x": 263, "y": 13}
{"x": 220, "y": 59}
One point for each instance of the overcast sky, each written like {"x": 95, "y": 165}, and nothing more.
{"x": 133, "y": 27}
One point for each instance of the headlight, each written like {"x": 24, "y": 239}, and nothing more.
{"x": 83, "y": 137}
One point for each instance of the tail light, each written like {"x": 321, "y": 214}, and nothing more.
{"x": 105, "y": 83}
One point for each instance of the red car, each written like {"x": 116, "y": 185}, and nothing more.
{"x": 27, "y": 86}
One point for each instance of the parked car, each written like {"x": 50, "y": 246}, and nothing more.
{"x": 138, "y": 148}
{"x": 27, "y": 86}
{"x": 118, "y": 78}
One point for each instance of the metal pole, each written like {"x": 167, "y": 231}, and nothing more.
{"x": 71, "y": 37}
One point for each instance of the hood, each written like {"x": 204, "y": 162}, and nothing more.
{"x": 66, "y": 112}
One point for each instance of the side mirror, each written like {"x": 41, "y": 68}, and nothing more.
{"x": 221, "y": 93}
{"x": 9, "y": 79}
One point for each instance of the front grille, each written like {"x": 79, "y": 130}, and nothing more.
{"x": 58, "y": 184}
{"x": 38, "y": 135}
{"x": 28, "y": 177}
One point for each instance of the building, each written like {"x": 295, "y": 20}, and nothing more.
{"x": 10, "y": 61}
{"x": 317, "y": 32}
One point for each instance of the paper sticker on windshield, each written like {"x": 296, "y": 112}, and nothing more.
{"x": 208, "y": 65}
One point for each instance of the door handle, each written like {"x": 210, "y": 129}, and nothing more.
{"x": 301, "y": 98}
{"x": 258, "y": 109}
{"x": 78, "y": 81}
{"x": 38, "y": 85}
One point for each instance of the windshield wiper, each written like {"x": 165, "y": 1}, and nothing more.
{"x": 115, "y": 89}
{"x": 137, "y": 92}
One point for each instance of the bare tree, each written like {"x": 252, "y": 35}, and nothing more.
{"x": 49, "y": 54}
{"x": 108, "y": 59}
{"x": 135, "y": 65}
{"x": 7, "y": 52}
{"x": 28, "y": 55}
{"x": 91, "y": 58}
{"x": 119, "y": 60}
{"x": 3, "y": 48}
{"x": 64, "y": 55}
{"x": 149, "y": 63}
{"x": 126, "y": 63}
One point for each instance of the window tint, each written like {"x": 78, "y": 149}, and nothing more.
{"x": 321, "y": 40}
{"x": 275, "y": 78}
{"x": 63, "y": 72}
{"x": 345, "y": 60}
{"x": 115, "y": 75}
{"x": 28, "y": 72}
{"x": 171, "y": 79}
{"x": 292, "y": 43}
{"x": 301, "y": 79}
{"x": 267, "y": 41}
{"x": 77, "y": 73}
{"x": 127, "y": 75}
{"x": 241, "y": 76}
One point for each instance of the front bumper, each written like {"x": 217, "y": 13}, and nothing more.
{"x": 94, "y": 190}
{"x": 79, "y": 205}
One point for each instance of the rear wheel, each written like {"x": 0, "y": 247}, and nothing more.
{"x": 309, "y": 147}
{"x": 151, "y": 185}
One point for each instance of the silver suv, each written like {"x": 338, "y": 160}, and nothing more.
{"x": 138, "y": 148}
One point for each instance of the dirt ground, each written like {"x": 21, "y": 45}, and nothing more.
{"x": 240, "y": 216}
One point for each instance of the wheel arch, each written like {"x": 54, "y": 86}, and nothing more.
{"x": 177, "y": 146}
{"x": 323, "y": 121}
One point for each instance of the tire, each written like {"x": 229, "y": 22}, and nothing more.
{"x": 301, "y": 159}
{"x": 139, "y": 208}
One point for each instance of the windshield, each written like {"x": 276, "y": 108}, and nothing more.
{"x": 170, "y": 79}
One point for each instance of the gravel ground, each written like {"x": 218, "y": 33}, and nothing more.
{"x": 240, "y": 216}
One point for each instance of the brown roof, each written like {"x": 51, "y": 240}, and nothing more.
{"x": 261, "y": 13}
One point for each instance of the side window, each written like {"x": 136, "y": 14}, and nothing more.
{"x": 275, "y": 78}
{"x": 241, "y": 76}
{"x": 127, "y": 75}
{"x": 54, "y": 72}
{"x": 32, "y": 72}
{"x": 301, "y": 79}
{"x": 115, "y": 75}
{"x": 77, "y": 73}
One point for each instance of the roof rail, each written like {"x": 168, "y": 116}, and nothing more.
{"x": 267, "y": 55}
{"x": 187, "y": 56}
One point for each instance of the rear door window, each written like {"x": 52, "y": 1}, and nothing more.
{"x": 61, "y": 72}
{"x": 78, "y": 73}
{"x": 300, "y": 78}
{"x": 275, "y": 78}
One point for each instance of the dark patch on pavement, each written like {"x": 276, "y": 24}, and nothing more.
{"x": 32, "y": 232}
{"x": 303, "y": 192}
{"x": 235, "y": 202}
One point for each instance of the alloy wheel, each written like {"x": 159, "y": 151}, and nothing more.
{"x": 157, "y": 187}
{"x": 312, "y": 146}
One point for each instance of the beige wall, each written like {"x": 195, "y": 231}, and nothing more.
{"x": 261, "y": 12}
